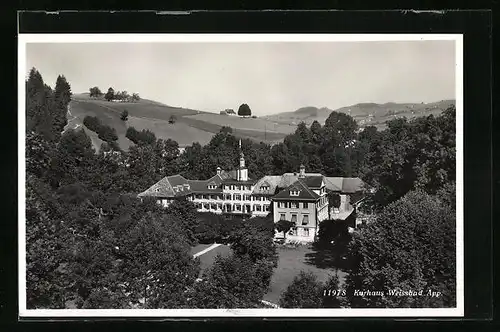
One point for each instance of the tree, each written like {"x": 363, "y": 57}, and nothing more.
{"x": 408, "y": 155}
{"x": 62, "y": 98}
{"x": 92, "y": 122}
{"x": 157, "y": 265}
{"x": 226, "y": 129}
{"x": 231, "y": 282}
{"x": 144, "y": 136}
{"x": 185, "y": 211}
{"x": 304, "y": 292}
{"x": 95, "y": 92}
{"x": 284, "y": 226}
{"x": 332, "y": 293}
{"x": 40, "y": 115}
{"x": 244, "y": 110}
{"x": 110, "y": 95}
{"x": 135, "y": 97}
{"x": 254, "y": 242}
{"x": 417, "y": 253}
{"x": 124, "y": 115}
{"x": 71, "y": 159}
{"x": 107, "y": 134}
{"x": 172, "y": 119}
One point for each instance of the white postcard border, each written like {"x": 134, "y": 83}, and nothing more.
{"x": 23, "y": 39}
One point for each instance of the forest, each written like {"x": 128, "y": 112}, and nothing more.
{"x": 91, "y": 243}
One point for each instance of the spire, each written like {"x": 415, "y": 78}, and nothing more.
{"x": 242, "y": 157}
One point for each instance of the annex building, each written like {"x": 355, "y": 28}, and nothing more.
{"x": 298, "y": 197}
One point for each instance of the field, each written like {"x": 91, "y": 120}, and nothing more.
{"x": 190, "y": 125}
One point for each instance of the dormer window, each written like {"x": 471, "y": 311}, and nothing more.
{"x": 187, "y": 186}
{"x": 264, "y": 188}
{"x": 294, "y": 192}
{"x": 176, "y": 189}
{"x": 212, "y": 186}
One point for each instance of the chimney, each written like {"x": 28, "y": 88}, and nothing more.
{"x": 218, "y": 170}
{"x": 302, "y": 173}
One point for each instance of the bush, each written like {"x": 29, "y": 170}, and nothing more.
{"x": 92, "y": 122}
{"x": 140, "y": 137}
{"x": 124, "y": 115}
{"x": 107, "y": 134}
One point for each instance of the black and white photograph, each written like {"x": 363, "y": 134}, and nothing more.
{"x": 214, "y": 175}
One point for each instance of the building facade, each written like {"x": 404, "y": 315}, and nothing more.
{"x": 301, "y": 198}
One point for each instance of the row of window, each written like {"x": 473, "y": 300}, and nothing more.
{"x": 235, "y": 197}
{"x": 229, "y": 208}
{"x": 237, "y": 187}
{"x": 293, "y": 205}
{"x": 305, "y": 218}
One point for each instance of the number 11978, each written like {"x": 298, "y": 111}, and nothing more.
{"x": 334, "y": 292}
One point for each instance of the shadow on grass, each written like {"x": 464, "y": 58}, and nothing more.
{"x": 329, "y": 255}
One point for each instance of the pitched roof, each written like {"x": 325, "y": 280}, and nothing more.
{"x": 270, "y": 181}
{"x": 301, "y": 187}
{"x": 289, "y": 178}
{"x": 313, "y": 181}
{"x": 162, "y": 188}
{"x": 333, "y": 183}
{"x": 177, "y": 186}
{"x": 344, "y": 185}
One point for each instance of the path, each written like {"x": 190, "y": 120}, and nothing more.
{"x": 213, "y": 246}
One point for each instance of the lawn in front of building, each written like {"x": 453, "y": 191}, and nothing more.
{"x": 291, "y": 262}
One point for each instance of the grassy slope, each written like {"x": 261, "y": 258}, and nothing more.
{"x": 365, "y": 113}
{"x": 191, "y": 125}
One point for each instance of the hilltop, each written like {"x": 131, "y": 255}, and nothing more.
{"x": 190, "y": 125}
{"x": 364, "y": 113}
{"x": 199, "y": 126}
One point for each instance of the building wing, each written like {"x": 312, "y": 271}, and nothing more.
{"x": 297, "y": 190}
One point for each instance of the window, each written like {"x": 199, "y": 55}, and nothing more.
{"x": 282, "y": 205}
{"x": 258, "y": 208}
{"x": 305, "y": 219}
{"x": 237, "y": 197}
{"x": 237, "y": 207}
{"x": 228, "y": 197}
{"x": 294, "y": 218}
{"x": 212, "y": 186}
{"x": 266, "y": 207}
{"x": 226, "y": 187}
{"x": 305, "y": 231}
{"x": 305, "y": 205}
{"x": 294, "y": 192}
{"x": 294, "y": 205}
{"x": 205, "y": 206}
{"x": 247, "y": 197}
{"x": 282, "y": 216}
{"x": 205, "y": 196}
{"x": 237, "y": 187}
{"x": 219, "y": 206}
{"x": 264, "y": 188}
{"x": 213, "y": 206}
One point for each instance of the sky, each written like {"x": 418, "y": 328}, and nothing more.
{"x": 270, "y": 77}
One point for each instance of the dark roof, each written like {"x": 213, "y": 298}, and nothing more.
{"x": 177, "y": 186}
{"x": 304, "y": 192}
{"x": 313, "y": 181}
